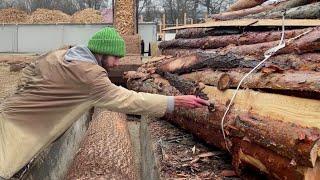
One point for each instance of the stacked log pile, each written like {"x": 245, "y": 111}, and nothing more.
{"x": 296, "y": 9}
{"x": 273, "y": 125}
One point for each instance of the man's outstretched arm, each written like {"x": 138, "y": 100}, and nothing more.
{"x": 115, "y": 98}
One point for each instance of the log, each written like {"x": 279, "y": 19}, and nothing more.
{"x": 244, "y": 4}
{"x": 201, "y": 60}
{"x": 310, "y": 11}
{"x": 213, "y": 42}
{"x": 177, "y": 52}
{"x": 244, "y": 12}
{"x": 203, "y": 32}
{"x": 247, "y": 155}
{"x": 283, "y": 6}
{"x": 291, "y": 81}
{"x": 106, "y": 151}
{"x": 307, "y": 43}
{"x": 207, "y": 126}
{"x": 196, "y": 61}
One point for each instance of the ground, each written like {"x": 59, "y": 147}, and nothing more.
{"x": 181, "y": 156}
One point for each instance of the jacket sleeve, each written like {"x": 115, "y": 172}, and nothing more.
{"x": 118, "y": 99}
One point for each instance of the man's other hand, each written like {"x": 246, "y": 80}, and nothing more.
{"x": 190, "y": 101}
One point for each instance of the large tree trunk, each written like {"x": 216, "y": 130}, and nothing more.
{"x": 203, "y": 32}
{"x": 284, "y": 6}
{"x": 293, "y": 81}
{"x": 244, "y": 4}
{"x": 201, "y": 60}
{"x": 243, "y": 12}
{"x": 292, "y": 142}
{"x": 247, "y": 155}
{"x": 106, "y": 151}
{"x": 212, "y": 42}
{"x": 310, "y": 11}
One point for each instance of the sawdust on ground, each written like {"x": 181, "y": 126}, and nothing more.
{"x": 13, "y": 16}
{"x": 87, "y": 16}
{"x": 46, "y": 16}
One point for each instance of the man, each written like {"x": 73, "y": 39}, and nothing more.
{"x": 59, "y": 87}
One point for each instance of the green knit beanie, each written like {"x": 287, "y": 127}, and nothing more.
{"x": 107, "y": 41}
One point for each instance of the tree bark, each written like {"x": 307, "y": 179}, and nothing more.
{"x": 244, "y": 4}
{"x": 244, "y": 12}
{"x": 212, "y": 42}
{"x": 203, "y": 32}
{"x": 284, "y": 6}
{"x": 201, "y": 60}
{"x": 310, "y": 11}
{"x": 106, "y": 151}
{"x": 293, "y": 81}
{"x": 307, "y": 43}
{"x": 296, "y": 144}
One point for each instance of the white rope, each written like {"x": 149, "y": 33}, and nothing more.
{"x": 267, "y": 55}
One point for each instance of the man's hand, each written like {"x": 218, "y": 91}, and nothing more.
{"x": 190, "y": 101}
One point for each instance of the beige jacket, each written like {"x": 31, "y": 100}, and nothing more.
{"x": 53, "y": 94}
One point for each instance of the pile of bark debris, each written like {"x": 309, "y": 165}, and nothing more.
{"x": 295, "y": 9}
{"x": 272, "y": 126}
{"x": 87, "y": 16}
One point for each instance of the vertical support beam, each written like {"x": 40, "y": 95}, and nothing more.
{"x": 185, "y": 18}
{"x": 177, "y": 24}
{"x": 164, "y": 21}
{"x": 160, "y": 27}
{"x": 125, "y": 17}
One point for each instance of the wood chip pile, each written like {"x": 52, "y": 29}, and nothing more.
{"x": 13, "y": 16}
{"x": 87, "y": 16}
{"x": 273, "y": 123}
{"x": 45, "y": 16}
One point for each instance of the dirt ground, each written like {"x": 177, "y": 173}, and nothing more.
{"x": 181, "y": 156}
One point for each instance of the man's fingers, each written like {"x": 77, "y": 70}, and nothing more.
{"x": 203, "y": 102}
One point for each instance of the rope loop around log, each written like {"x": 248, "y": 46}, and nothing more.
{"x": 267, "y": 55}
